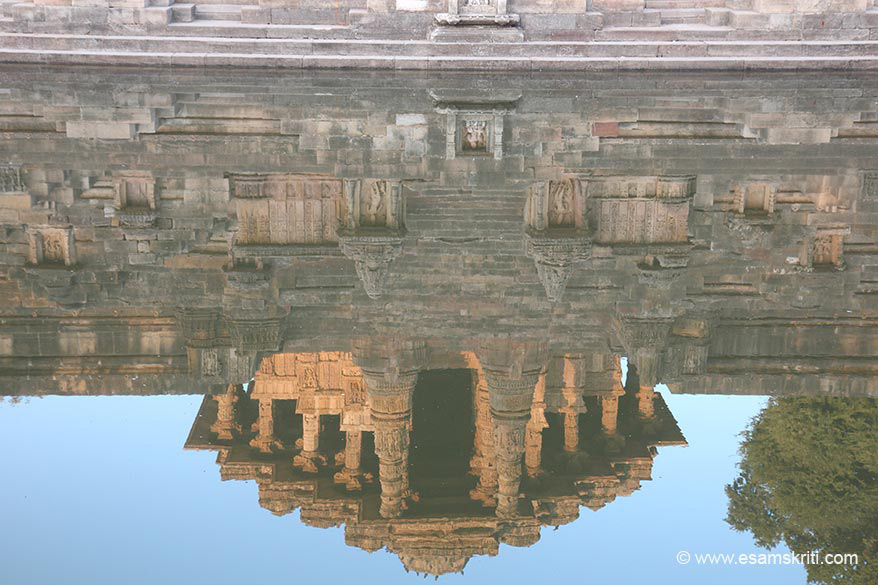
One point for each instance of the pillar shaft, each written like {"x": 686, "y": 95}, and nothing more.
{"x": 310, "y": 433}
{"x": 391, "y": 404}
{"x": 226, "y": 426}
{"x": 571, "y": 431}
{"x": 610, "y": 414}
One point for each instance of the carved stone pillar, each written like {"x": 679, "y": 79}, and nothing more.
{"x": 482, "y": 462}
{"x": 512, "y": 370}
{"x": 609, "y": 414}
{"x": 645, "y": 402}
{"x": 309, "y": 457}
{"x": 264, "y": 427}
{"x": 391, "y": 418}
{"x": 571, "y": 431}
{"x": 533, "y": 447}
{"x": 226, "y": 426}
{"x": 350, "y": 476}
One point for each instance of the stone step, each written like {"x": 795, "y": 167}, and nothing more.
{"x": 221, "y": 12}
{"x": 356, "y": 53}
{"x": 233, "y": 29}
{"x": 677, "y": 4}
{"x": 683, "y": 16}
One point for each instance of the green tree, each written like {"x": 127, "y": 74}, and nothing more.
{"x": 809, "y": 478}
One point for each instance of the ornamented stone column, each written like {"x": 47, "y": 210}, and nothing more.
{"x": 512, "y": 369}
{"x": 390, "y": 372}
{"x": 309, "y": 458}
{"x": 391, "y": 417}
{"x": 226, "y": 425}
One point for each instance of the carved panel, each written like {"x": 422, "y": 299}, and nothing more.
{"x": 870, "y": 185}
{"x": 372, "y": 203}
{"x": 10, "y": 180}
{"x": 51, "y": 245}
{"x": 555, "y": 204}
{"x": 286, "y": 209}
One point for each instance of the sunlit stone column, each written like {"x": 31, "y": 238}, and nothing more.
{"x": 264, "y": 439}
{"x": 308, "y": 458}
{"x": 571, "y": 431}
{"x": 226, "y": 425}
{"x": 645, "y": 402}
{"x": 353, "y": 450}
{"x": 609, "y": 414}
{"x": 482, "y": 461}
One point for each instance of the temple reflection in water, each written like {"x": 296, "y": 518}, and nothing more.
{"x": 444, "y": 448}
{"x": 407, "y": 298}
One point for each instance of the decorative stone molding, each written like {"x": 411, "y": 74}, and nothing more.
{"x": 51, "y": 246}
{"x": 201, "y": 327}
{"x": 256, "y": 334}
{"x": 488, "y": 19}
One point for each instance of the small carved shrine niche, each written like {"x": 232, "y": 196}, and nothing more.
{"x": 556, "y": 204}
{"x": 285, "y": 209}
{"x": 825, "y": 250}
{"x": 51, "y": 246}
{"x": 755, "y": 198}
{"x": 373, "y": 203}
{"x": 870, "y": 185}
{"x": 134, "y": 190}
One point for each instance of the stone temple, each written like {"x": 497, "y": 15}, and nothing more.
{"x": 343, "y": 262}
{"x": 497, "y": 35}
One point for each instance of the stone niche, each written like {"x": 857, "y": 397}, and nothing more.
{"x": 556, "y": 235}
{"x": 474, "y": 127}
{"x": 135, "y": 198}
{"x": 51, "y": 246}
{"x": 285, "y": 209}
{"x": 484, "y": 20}
{"x": 754, "y": 198}
{"x": 824, "y": 250}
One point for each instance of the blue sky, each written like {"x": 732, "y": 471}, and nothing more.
{"x": 98, "y": 490}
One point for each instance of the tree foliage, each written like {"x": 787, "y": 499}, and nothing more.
{"x": 809, "y": 478}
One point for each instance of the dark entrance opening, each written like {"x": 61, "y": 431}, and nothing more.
{"x": 442, "y": 440}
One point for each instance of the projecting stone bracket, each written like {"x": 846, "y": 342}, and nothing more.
{"x": 372, "y": 255}
{"x": 447, "y": 19}
{"x": 555, "y": 258}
